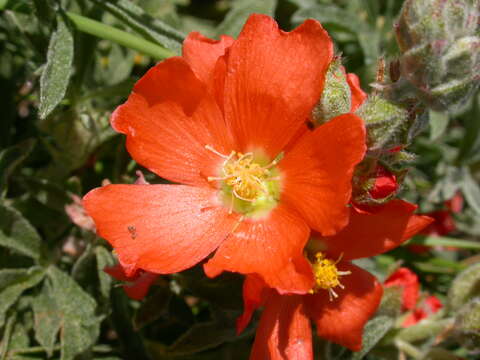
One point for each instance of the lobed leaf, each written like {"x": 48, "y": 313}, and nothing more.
{"x": 373, "y": 332}
{"x": 13, "y": 282}
{"x": 17, "y": 234}
{"x": 58, "y": 69}
{"x": 79, "y": 325}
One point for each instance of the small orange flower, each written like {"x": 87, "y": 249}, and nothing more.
{"x": 226, "y": 121}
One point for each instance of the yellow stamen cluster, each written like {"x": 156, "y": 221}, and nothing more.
{"x": 326, "y": 274}
{"x": 246, "y": 178}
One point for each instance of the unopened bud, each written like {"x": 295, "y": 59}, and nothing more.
{"x": 440, "y": 42}
{"x": 389, "y": 125}
{"x": 336, "y": 95}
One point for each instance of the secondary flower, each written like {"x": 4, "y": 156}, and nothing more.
{"x": 344, "y": 296}
{"x": 430, "y": 305}
{"x": 227, "y": 122}
{"x": 443, "y": 224}
{"x": 408, "y": 281}
{"x": 137, "y": 283}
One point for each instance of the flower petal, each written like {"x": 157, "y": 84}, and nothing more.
{"x": 202, "y": 53}
{"x": 343, "y": 319}
{"x": 358, "y": 95}
{"x": 159, "y": 228}
{"x": 139, "y": 288}
{"x": 284, "y": 331}
{"x": 272, "y": 247}
{"x": 273, "y": 80}
{"x": 168, "y": 120}
{"x": 317, "y": 172}
{"x": 372, "y": 234}
{"x": 255, "y": 292}
{"x": 408, "y": 281}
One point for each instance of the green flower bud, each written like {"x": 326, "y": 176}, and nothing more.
{"x": 440, "y": 42}
{"x": 389, "y": 125}
{"x": 335, "y": 99}
{"x": 467, "y": 325}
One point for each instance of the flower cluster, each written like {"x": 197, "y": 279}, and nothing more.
{"x": 261, "y": 157}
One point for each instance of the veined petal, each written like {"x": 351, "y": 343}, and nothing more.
{"x": 284, "y": 332}
{"x": 169, "y": 119}
{"x": 255, "y": 291}
{"x": 271, "y": 247}
{"x": 273, "y": 80}
{"x": 159, "y": 228}
{"x": 317, "y": 172}
{"x": 372, "y": 234}
{"x": 358, "y": 95}
{"x": 342, "y": 320}
{"x": 202, "y": 53}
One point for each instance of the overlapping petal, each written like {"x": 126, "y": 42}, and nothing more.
{"x": 284, "y": 331}
{"x": 168, "y": 120}
{"x": 160, "y": 228}
{"x": 202, "y": 53}
{"x": 317, "y": 172}
{"x": 358, "y": 96}
{"x": 255, "y": 291}
{"x": 271, "y": 247}
{"x": 372, "y": 234}
{"x": 342, "y": 320}
{"x": 273, "y": 80}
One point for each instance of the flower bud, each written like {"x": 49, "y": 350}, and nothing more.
{"x": 389, "y": 125}
{"x": 336, "y": 96}
{"x": 439, "y": 41}
{"x": 467, "y": 324}
{"x": 373, "y": 184}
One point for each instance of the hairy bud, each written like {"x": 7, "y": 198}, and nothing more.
{"x": 336, "y": 96}
{"x": 440, "y": 45}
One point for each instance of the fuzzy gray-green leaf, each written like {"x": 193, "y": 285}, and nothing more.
{"x": 465, "y": 286}
{"x": 13, "y": 282}
{"x": 17, "y": 234}
{"x": 58, "y": 69}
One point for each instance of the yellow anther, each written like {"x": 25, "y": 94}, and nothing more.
{"x": 246, "y": 178}
{"x": 326, "y": 275}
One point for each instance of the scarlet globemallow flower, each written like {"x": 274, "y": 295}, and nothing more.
{"x": 226, "y": 122}
{"x": 344, "y": 296}
{"x": 443, "y": 224}
{"x": 408, "y": 281}
{"x": 428, "y": 307}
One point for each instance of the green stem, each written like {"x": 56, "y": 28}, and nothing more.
{"x": 121, "y": 37}
{"x": 444, "y": 241}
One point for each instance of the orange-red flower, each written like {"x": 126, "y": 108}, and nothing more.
{"x": 408, "y": 281}
{"x": 227, "y": 122}
{"x": 429, "y": 306}
{"x": 137, "y": 283}
{"x": 345, "y": 296}
{"x": 443, "y": 224}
